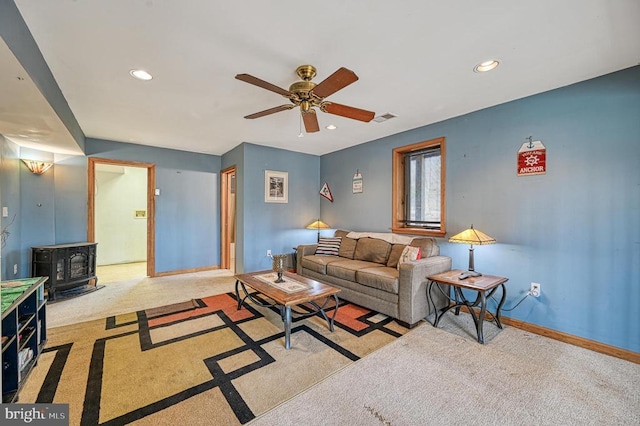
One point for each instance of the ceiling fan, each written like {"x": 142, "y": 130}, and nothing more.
{"x": 308, "y": 95}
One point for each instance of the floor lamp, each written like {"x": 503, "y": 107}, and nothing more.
{"x": 318, "y": 225}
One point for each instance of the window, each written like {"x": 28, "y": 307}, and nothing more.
{"x": 418, "y": 189}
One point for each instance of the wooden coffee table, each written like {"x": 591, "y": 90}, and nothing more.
{"x": 302, "y": 291}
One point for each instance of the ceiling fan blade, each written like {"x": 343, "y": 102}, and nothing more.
{"x": 270, "y": 111}
{"x": 261, "y": 83}
{"x": 347, "y": 111}
{"x": 310, "y": 121}
{"x": 336, "y": 81}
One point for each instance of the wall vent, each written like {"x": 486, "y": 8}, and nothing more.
{"x": 384, "y": 117}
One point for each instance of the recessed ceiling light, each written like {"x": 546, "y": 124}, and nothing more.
{"x": 331, "y": 127}
{"x": 486, "y": 66}
{"x": 141, "y": 75}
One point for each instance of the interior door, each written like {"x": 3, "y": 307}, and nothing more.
{"x": 150, "y": 200}
{"x": 228, "y": 218}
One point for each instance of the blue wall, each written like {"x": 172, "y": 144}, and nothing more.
{"x": 10, "y": 197}
{"x": 70, "y": 213}
{"x": 187, "y": 219}
{"x": 188, "y": 207}
{"x": 575, "y": 229}
{"x": 52, "y": 208}
{"x": 31, "y": 219}
{"x": 273, "y": 226}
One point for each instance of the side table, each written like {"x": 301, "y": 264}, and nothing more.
{"x": 484, "y": 285}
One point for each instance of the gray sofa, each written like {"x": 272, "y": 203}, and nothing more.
{"x": 365, "y": 269}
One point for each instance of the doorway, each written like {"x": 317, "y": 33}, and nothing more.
{"x": 228, "y": 218}
{"x": 139, "y": 214}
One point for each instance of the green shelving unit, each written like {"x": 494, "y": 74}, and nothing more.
{"x": 24, "y": 331}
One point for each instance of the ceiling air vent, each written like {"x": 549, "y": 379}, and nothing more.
{"x": 384, "y": 117}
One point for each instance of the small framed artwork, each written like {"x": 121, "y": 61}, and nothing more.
{"x": 276, "y": 187}
{"x": 140, "y": 214}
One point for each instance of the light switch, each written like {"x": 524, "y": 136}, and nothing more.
{"x": 157, "y": 191}
{"x": 5, "y": 212}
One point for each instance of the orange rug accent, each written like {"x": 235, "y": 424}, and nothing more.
{"x": 224, "y": 302}
{"x": 349, "y": 315}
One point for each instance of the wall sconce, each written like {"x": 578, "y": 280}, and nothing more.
{"x": 37, "y": 167}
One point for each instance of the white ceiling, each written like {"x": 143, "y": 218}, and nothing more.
{"x": 414, "y": 59}
{"x": 25, "y": 114}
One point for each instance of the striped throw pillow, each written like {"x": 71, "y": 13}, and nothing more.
{"x": 328, "y": 246}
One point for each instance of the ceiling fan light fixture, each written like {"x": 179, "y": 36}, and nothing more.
{"x": 141, "y": 75}
{"x": 486, "y": 66}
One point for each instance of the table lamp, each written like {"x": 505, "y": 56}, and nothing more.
{"x": 318, "y": 224}
{"x": 471, "y": 236}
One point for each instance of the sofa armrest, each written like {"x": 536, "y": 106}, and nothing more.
{"x": 306, "y": 250}
{"x": 301, "y": 251}
{"x": 413, "y": 284}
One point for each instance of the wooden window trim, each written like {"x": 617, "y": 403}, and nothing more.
{"x": 397, "y": 190}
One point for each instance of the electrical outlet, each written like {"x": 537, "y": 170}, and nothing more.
{"x": 269, "y": 253}
{"x": 15, "y": 268}
{"x": 535, "y": 290}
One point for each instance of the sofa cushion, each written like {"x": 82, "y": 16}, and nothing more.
{"x": 328, "y": 246}
{"x": 372, "y": 250}
{"x": 318, "y": 263}
{"x": 396, "y": 251}
{"x": 380, "y": 277}
{"x": 346, "y": 269}
{"x": 428, "y": 246}
{"x": 347, "y": 245}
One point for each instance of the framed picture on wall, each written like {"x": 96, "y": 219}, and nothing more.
{"x": 276, "y": 187}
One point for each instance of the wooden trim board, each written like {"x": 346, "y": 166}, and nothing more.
{"x": 574, "y": 340}
{"x": 186, "y": 271}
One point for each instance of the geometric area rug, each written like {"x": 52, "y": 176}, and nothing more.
{"x": 208, "y": 363}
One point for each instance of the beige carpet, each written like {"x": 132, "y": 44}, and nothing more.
{"x": 428, "y": 376}
{"x": 171, "y": 309}
{"x": 121, "y": 272}
{"x": 434, "y": 377}
{"x": 199, "y": 362}
{"x": 134, "y": 294}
